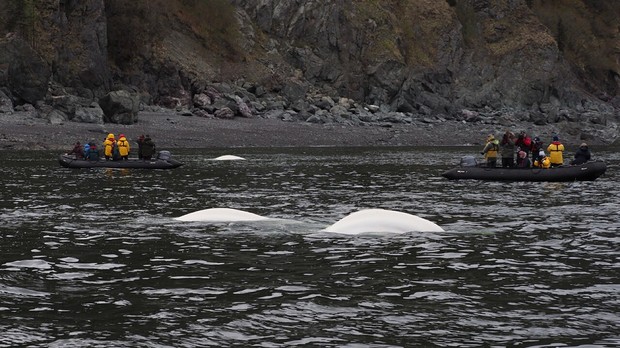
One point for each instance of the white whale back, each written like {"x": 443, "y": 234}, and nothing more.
{"x": 382, "y": 221}
{"x": 229, "y": 158}
{"x": 221, "y": 215}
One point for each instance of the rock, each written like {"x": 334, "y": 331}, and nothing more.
{"x": 6, "y": 104}
{"x": 373, "y": 108}
{"x": 225, "y": 113}
{"x": 325, "y": 103}
{"x": 202, "y": 113}
{"x": 243, "y": 108}
{"x": 339, "y": 110}
{"x": 91, "y": 114}
{"x": 56, "y": 117}
{"x": 201, "y": 100}
{"x": 28, "y": 73}
{"x": 315, "y": 119}
{"x": 28, "y": 110}
{"x": 120, "y": 107}
{"x": 294, "y": 91}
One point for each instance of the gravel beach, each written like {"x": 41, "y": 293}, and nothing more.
{"x": 170, "y": 130}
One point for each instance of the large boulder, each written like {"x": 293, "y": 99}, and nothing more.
{"x": 28, "y": 74}
{"x": 89, "y": 114}
{"x": 120, "y": 107}
{"x": 6, "y": 104}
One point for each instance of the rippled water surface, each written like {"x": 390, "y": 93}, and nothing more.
{"x": 93, "y": 258}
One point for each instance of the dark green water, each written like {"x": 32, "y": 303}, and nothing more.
{"x": 93, "y": 258}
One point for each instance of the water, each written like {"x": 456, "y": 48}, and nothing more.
{"x": 93, "y": 258}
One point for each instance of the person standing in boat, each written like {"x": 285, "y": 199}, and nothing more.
{"x": 490, "y": 151}
{"x": 148, "y": 148}
{"x": 507, "y": 149}
{"x": 556, "y": 150}
{"x": 108, "y": 147}
{"x": 537, "y": 147}
{"x": 582, "y": 155}
{"x": 123, "y": 147}
{"x": 140, "y": 141}
{"x": 523, "y": 143}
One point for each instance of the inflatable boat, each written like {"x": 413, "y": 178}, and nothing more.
{"x": 468, "y": 169}
{"x": 163, "y": 161}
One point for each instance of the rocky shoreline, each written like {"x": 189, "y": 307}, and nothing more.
{"x": 171, "y": 130}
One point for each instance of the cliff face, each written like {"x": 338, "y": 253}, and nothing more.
{"x": 553, "y": 60}
{"x": 447, "y": 55}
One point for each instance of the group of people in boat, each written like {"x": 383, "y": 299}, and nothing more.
{"x": 114, "y": 149}
{"x": 522, "y": 147}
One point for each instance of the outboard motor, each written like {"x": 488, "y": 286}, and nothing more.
{"x": 163, "y": 155}
{"x": 468, "y": 161}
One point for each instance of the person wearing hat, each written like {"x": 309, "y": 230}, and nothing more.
{"x": 582, "y": 155}
{"x": 148, "y": 148}
{"x": 522, "y": 160}
{"x": 108, "y": 146}
{"x": 542, "y": 161}
{"x": 123, "y": 147}
{"x": 490, "y": 151}
{"x": 93, "y": 153}
{"x": 523, "y": 143}
{"x": 77, "y": 151}
{"x": 537, "y": 147}
{"x": 556, "y": 150}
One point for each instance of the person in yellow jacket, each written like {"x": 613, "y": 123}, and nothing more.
{"x": 123, "y": 147}
{"x": 556, "y": 150}
{"x": 490, "y": 151}
{"x": 542, "y": 161}
{"x": 108, "y": 147}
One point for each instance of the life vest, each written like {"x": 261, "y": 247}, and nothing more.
{"x": 123, "y": 146}
{"x": 491, "y": 148}
{"x": 544, "y": 163}
{"x": 556, "y": 150}
{"x": 108, "y": 147}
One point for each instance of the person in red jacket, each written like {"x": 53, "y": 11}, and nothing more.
{"x": 523, "y": 143}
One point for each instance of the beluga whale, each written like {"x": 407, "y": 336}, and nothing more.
{"x": 382, "y": 221}
{"x": 229, "y": 158}
{"x": 221, "y": 215}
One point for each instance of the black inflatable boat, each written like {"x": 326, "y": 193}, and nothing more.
{"x": 468, "y": 169}
{"x": 163, "y": 161}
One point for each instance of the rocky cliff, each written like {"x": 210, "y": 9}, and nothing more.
{"x": 365, "y": 61}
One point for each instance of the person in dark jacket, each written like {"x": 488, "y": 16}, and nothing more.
{"x": 140, "y": 141}
{"x": 537, "y": 146}
{"x": 77, "y": 151}
{"x": 93, "y": 152}
{"x": 507, "y": 149}
{"x": 148, "y": 148}
{"x": 523, "y": 161}
{"x": 582, "y": 155}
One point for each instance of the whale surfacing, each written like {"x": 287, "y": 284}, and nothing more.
{"x": 229, "y": 158}
{"x": 382, "y": 221}
{"x": 221, "y": 215}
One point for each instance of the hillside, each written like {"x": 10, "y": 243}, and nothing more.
{"x": 545, "y": 62}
